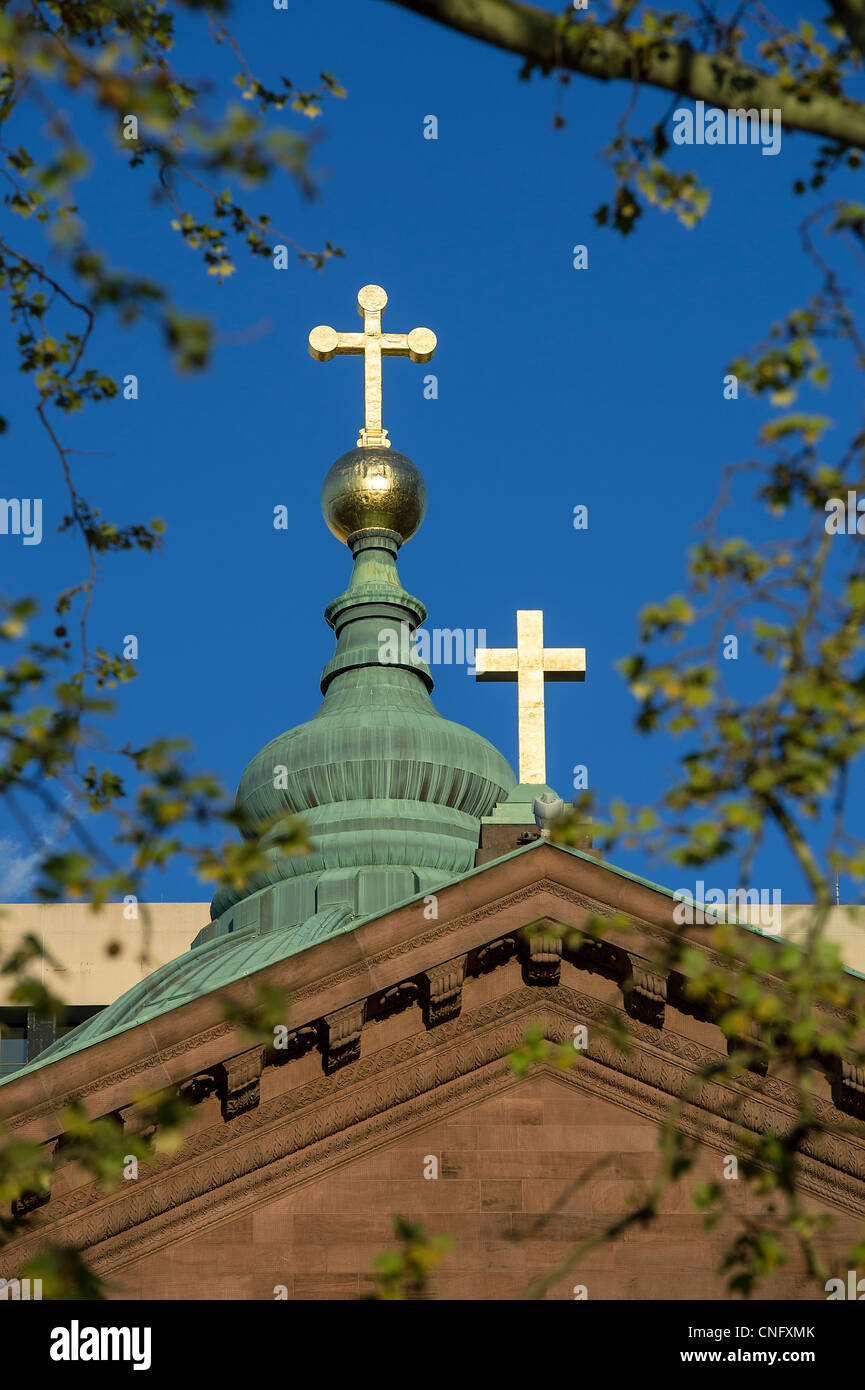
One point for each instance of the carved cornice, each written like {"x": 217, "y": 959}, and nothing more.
{"x": 268, "y": 1149}
{"x": 448, "y": 929}
{"x": 298, "y": 1136}
{"x": 131, "y": 1073}
{"x": 605, "y": 956}
{"x": 444, "y": 930}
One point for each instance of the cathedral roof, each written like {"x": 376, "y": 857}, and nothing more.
{"x": 391, "y": 794}
{"x": 213, "y": 965}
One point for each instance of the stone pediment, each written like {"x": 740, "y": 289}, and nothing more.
{"x": 406, "y": 1020}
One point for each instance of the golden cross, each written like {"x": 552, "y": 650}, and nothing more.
{"x": 419, "y": 345}
{"x": 530, "y": 665}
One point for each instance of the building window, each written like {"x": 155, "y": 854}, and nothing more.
{"x": 13, "y": 1040}
{"x": 24, "y": 1034}
{"x": 75, "y": 1014}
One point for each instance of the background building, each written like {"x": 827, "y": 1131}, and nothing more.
{"x": 97, "y": 957}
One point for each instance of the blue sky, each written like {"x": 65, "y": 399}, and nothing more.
{"x": 556, "y": 387}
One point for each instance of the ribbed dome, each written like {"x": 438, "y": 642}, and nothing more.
{"x": 390, "y": 792}
{"x": 374, "y": 741}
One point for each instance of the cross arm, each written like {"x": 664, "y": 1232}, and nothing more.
{"x": 325, "y": 343}
{"x": 495, "y": 664}
{"x": 419, "y": 344}
{"x": 565, "y": 664}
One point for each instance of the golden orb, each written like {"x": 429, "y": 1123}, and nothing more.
{"x": 373, "y": 487}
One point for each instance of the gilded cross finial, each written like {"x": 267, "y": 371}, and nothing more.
{"x": 529, "y": 664}
{"x": 372, "y": 344}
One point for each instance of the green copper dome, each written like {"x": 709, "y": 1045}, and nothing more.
{"x": 391, "y": 793}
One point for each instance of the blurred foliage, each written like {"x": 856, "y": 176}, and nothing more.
{"x": 404, "y": 1273}
{"x": 58, "y": 761}
{"x": 776, "y": 760}
{"x": 782, "y": 757}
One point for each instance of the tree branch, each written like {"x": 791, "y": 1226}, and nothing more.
{"x": 607, "y": 54}
{"x": 851, "y": 13}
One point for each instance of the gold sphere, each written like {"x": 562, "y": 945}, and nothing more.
{"x": 373, "y": 487}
